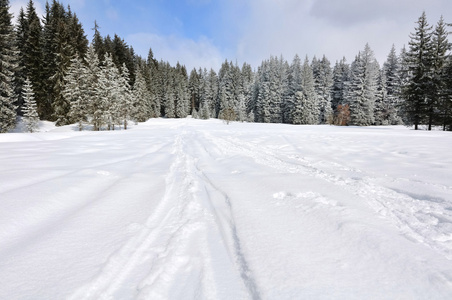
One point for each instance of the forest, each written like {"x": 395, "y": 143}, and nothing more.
{"x": 50, "y": 70}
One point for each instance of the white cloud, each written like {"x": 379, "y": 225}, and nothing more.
{"x": 331, "y": 27}
{"x": 192, "y": 54}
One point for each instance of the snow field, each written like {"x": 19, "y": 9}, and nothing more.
{"x": 192, "y": 209}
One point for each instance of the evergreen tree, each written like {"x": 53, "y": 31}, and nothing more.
{"x": 310, "y": 103}
{"x": 8, "y": 65}
{"x": 140, "y": 99}
{"x": 363, "y": 88}
{"x": 109, "y": 85}
{"x": 194, "y": 89}
{"x": 95, "y": 106}
{"x": 20, "y": 72}
{"x": 75, "y": 91}
{"x": 341, "y": 82}
{"x": 294, "y": 81}
{"x": 30, "y": 112}
{"x": 323, "y": 82}
{"x": 33, "y": 56}
{"x": 392, "y": 75}
{"x": 438, "y": 93}
{"x": 181, "y": 93}
{"x": 419, "y": 60}
{"x": 125, "y": 96}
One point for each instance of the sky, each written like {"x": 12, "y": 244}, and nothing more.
{"x": 204, "y": 33}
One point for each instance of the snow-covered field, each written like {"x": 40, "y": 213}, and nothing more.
{"x": 192, "y": 209}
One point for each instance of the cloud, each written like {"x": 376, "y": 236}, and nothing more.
{"x": 331, "y": 27}
{"x": 192, "y": 54}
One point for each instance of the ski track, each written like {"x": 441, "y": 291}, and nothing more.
{"x": 52, "y": 215}
{"x": 229, "y": 230}
{"x": 421, "y": 220}
{"x": 159, "y": 251}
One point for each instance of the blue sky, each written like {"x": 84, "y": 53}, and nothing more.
{"x": 203, "y": 33}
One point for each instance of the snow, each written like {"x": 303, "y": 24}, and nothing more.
{"x": 195, "y": 209}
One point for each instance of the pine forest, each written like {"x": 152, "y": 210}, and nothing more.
{"x": 49, "y": 70}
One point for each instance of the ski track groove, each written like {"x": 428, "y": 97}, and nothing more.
{"x": 407, "y": 213}
{"x": 162, "y": 242}
{"x": 229, "y": 230}
{"x": 32, "y": 183}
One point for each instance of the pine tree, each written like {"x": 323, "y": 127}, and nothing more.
{"x": 109, "y": 85}
{"x": 363, "y": 88}
{"x": 30, "y": 111}
{"x": 7, "y": 68}
{"x": 323, "y": 82}
{"x": 75, "y": 91}
{"x": 392, "y": 74}
{"x": 438, "y": 94}
{"x": 20, "y": 72}
{"x": 140, "y": 99}
{"x": 193, "y": 88}
{"x": 33, "y": 56}
{"x": 311, "y": 107}
{"x": 95, "y": 106}
{"x": 419, "y": 59}
{"x": 124, "y": 95}
{"x": 341, "y": 81}
{"x": 294, "y": 79}
{"x": 181, "y": 92}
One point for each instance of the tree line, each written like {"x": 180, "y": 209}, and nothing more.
{"x": 49, "y": 70}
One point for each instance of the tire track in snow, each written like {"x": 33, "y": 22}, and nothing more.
{"x": 423, "y": 221}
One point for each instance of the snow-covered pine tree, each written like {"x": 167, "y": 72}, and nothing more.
{"x": 363, "y": 88}
{"x": 124, "y": 95}
{"x": 95, "y": 109}
{"x": 29, "y": 109}
{"x": 194, "y": 83}
{"x": 341, "y": 79}
{"x": 391, "y": 69}
{"x": 181, "y": 93}
{"x": 294, "y": 81}
{"x": 323, "y": 83}
{"x": 75, "y": 91}
{"x": 311, "y": 107}
{"x": 438, "y": 93}
{"x": 33, "y": 56}
{"x": 419, "y": 61}
{"x": 226, "y": 90}
{"x": 8, "y": 65}
{"x": 21, "y": 30}
{"x": 383, "y": 111}
{"x": 140, "y": 99}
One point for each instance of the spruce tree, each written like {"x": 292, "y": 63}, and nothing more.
{"x": 323, "y": 82}
{"x": 294, "y": 80}
{"x": 7, "y": 68}
{"x": 416, "y": 93}
{"x": 34, "y": 58}
{"x": 140, "y": 99}
{"x": 363, "y": 88}
{"x": 438, "y": 93}
{"x": 29, "y": 109}
{"x": 311, "y": 107}
{"x": 392, "y": 73}
{"x": 125, "y": 96}
{"x": 341, "y": 82}
{"x": 76, "y": 91}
